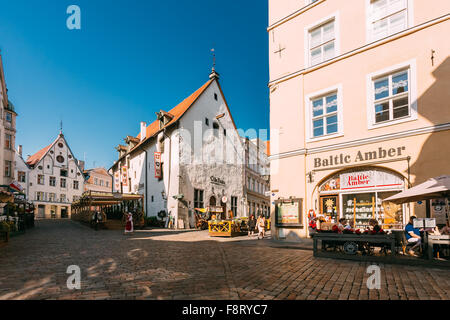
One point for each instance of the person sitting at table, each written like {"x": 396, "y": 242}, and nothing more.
{"x": 341, "y": 224}
{"x": 349, "y": 225}
{"x": 413, "y": 235}
{"x": 374, "y": 226}
{"x": 445, "y": 230}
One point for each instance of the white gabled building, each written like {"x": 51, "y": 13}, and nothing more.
{"x": 201, "y": 160}
{"x": 52, "y": 178}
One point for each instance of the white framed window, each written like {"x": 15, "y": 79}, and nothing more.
{"x": 392, "y": 95}
{"x": 322, "y": 40}
{"x": 387, "y": 17}
{"x": 324, "y": 114}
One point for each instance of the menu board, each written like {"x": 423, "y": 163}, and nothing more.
{"x": 288, "y": 212}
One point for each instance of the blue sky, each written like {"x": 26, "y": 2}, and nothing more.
{"x": 130, "y": 59}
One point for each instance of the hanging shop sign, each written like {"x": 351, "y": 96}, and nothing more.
{"x": 124, "y": 176}
{"x": 218, "y": 181}
{"x": 288, "y": 213}
{"x": 158, "y": 170}
{"x": 117, "y": 180}
{"x": 360, "y": 156}
{"x": 439, "y": 210}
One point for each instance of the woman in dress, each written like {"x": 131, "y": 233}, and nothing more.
{"x": 261, "y": 223}
{"x": 129, "y": 225}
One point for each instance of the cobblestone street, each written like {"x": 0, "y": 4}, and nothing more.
{"x": 161, "y": 264}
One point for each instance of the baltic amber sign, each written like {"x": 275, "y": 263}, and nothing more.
{"x": 343, "y": 159}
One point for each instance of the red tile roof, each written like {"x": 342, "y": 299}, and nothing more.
{"x": 35, "y": 158}
{"x": 177, "y": 113}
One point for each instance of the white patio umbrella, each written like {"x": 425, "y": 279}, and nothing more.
{"x": 434, "y": 188}
{"x": 431, "y": 189}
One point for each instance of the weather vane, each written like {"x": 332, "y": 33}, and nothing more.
{"x": 214, "y": 58}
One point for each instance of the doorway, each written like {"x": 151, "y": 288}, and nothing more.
{"x": 64, "y": 214}
{"x": 41, "y": 212}
{"x": 212, "y": 201}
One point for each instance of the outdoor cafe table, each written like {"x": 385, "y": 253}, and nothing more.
{"x": 434, "y": 239}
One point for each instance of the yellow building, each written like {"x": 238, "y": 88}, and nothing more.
{"x": 359, "y": 93}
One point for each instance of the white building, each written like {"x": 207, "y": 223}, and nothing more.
{"x": 190, "y": 157}
{"x": 257, "y": 177}
{"x": 51, "y": 179}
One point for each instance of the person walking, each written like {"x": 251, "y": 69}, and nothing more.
{"x": 129, "y": 225}
{"x": 261, "y": 224}
{"x": 251, "y": 225}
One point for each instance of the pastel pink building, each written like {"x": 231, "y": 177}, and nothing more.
{"x": 359, "y": 93}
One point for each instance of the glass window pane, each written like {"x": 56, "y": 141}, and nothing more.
{"x": 328, "y": 31}
{"x": 400, "y": 83}
{"x": 382, "y": 112}
{"x": 318, "y": 107}
{"x": 316, "y": 56}
{"x": 397, "y": 22}
{"x": 332, "y": 125}
{"x": 331, "y": 102}
{"x": 380, "y": 29}
{"x": 318, "y": 127}
{"x": 379, "y": 7}
{"x": 315, "y": 38}
{"x": 328, "y": 51}
{"x": 381, "y": 88}
{"x": 401, "y": 108}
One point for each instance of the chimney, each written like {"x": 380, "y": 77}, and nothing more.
{"x": 20, "y": 150}
{"x": 143, "y": 130}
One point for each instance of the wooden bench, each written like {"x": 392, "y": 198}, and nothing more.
{"x": 352, "y": 244}
{"x": 433, "y": 239}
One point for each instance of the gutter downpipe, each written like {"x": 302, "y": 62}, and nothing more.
{"x": 146, "y": 183}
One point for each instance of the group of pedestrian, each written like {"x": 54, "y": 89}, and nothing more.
{"x": 259, "y": 223}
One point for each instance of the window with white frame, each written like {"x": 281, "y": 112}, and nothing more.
{"x": 322, "y": 43}
{"x": 391, "y": 100}
{"x": 387, "y": 17}
{"x": 325, "y": 116}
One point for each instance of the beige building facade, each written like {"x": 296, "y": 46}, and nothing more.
{"x": 7, "y": 132}
{"x": 359, "y": 108}
{"x": 98, "y": 180}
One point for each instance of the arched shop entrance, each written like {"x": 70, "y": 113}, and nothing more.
{"x": 357, "y": 195}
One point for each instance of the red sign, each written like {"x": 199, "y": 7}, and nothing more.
{"x": 124, "y": 176}
{"x": 158, "y": 171}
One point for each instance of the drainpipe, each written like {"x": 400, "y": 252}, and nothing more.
{"x": 170, "y": 166}
{"x": 145, "y": 184}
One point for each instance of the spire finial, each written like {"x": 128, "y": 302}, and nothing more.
{"x": 60, "y": 127}
{"x": 214, "y": 74}
{"x": 214, "y": 59}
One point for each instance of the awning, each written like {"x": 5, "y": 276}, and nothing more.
{"x": 434, "y": 188}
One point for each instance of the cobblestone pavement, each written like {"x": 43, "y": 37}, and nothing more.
{"x": 161, "y": 264}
